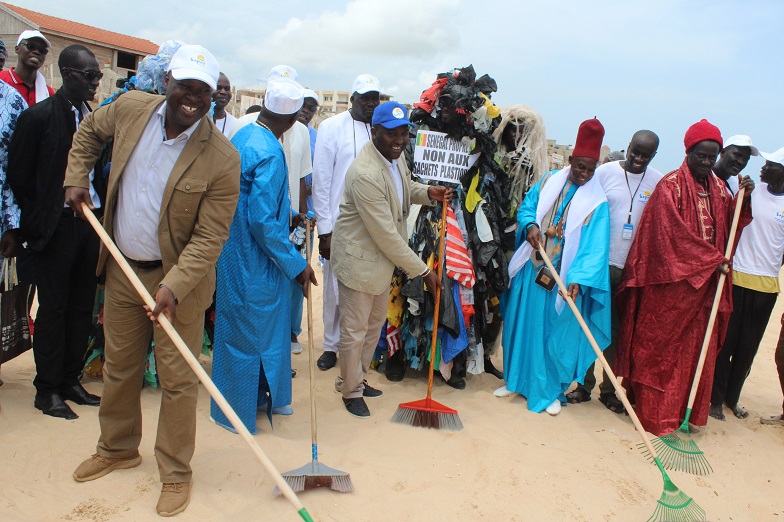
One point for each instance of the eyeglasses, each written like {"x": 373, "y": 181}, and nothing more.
{"x": 88, "y": 74}
{"x": 41, "y": 50}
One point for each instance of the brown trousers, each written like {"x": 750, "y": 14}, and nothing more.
{"x": 128, "y": 331}
{"x": 361, "y": 317}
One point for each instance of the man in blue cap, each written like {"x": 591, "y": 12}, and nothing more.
{"x": 369, "y": 239}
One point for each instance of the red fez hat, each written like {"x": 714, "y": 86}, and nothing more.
{"x": 701, "y": 131}
{"x": 589, "y": 140}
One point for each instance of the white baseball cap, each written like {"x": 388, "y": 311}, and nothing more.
{"x": 283, "y": 97}
{"x": 365, "y": 83}
{"x": 194, "y": 62}
{"x": 775, "y": 157}
{"x": 27, "y": 35}
{"x": 740, "y": 140}
{"x": 282, "y": 72}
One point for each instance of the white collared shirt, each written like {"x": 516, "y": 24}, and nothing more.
{"x": 395, "y": 173}
{"x": 93, "y": 194}
{"x": 142, "y": 185}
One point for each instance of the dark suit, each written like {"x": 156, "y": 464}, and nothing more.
{"x": 63, "y": 249}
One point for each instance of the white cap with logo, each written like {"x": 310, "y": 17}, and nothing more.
{"x": 29, "y": 34}
{"x": 283, "y": 97}
{"x": 365, "y": 83}
{"x": 775, "y": 157}
{"x": 282, "y": 72}
{"x": 740, "y": 140}
{"x": 194, "y": 62}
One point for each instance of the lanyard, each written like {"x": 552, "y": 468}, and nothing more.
{"x": 633, "y": 196}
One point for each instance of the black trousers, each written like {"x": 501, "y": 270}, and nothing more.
{"x": 65, "y": 276}
{"x": 747, "y": 324}
{"x": 606, "y": 387}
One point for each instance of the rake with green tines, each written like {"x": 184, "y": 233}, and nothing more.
{"x": 678, "y": 450}
{"x": 674, "y": 505}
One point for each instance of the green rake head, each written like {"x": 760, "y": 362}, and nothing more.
{"x": 674, "y": 505}
{"x": 679, "y": 452}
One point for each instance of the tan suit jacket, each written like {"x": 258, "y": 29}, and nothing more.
{"x": 370, "y": 236}
{"x": 198, "y": 201}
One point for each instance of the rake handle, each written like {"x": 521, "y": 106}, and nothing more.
{"x": 437, "y": 309}
{"x": 715, "y": 308}
{"x": 194, "y": 363}
{"x": 619, "y": 389}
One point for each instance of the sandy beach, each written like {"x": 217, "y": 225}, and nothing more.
{"x": 507, "y": 464}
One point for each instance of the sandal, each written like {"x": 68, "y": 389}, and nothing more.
{"x": 579, "y": 395}
{"x": 612, "y": 403}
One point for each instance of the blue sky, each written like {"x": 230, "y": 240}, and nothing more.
{"x": 657, "y": 65}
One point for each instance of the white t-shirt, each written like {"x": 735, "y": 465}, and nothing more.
{"x": 225, "y": 124}
{"x": 339, "y": 140}
{"x": 761, "y": 244}
{"x": 619, "y": 196}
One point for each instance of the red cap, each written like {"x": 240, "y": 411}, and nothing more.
{"x": 701, "y": 131}
{"x": 589, "y": 140}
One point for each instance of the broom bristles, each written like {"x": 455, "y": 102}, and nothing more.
{"x": 316, "y": 475}
{"x": 427, "y": 413}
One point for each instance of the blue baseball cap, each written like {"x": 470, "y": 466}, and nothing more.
{"x": 390, "y": 115}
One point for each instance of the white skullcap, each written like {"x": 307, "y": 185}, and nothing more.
{"x": 283, "y": 97}
{"x": 310, "y": 93}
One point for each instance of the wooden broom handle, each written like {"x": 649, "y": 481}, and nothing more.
{"x": 193, "y": 362}
{"x": 716, "y": 299}
{"x": 311, "y": 350}
{"x": 618, "y": 388}
{"x": 437, "y": 309}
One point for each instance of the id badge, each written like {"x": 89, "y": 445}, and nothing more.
{"x": 628, "y": 231}
{"x": 545, "y": 279}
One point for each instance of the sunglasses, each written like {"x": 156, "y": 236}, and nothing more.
{"x": 41, "y": 50}
{"x": 89, "y": 75}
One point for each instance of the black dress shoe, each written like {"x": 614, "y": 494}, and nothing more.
{"x": 457, "y": 382}
{"x": 396, "y": 367}
{"x": 357, "y": 407}
{"x": 371, "y": 392}
{"x": 79, "y": 395}
{"x": 54, "y": 406}
{"x": 327, "y": 360}
{"x": 492, "y": 370}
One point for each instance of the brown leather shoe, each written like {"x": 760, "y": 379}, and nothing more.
{"x": 174, "y": 498}
{"x": 97, "y": 466}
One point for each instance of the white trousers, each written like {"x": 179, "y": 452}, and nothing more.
{"x": 331, "y": 311}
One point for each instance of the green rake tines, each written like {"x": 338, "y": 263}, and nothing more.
{"x": 679, "y": 451}
{"x": 674, "y": 505}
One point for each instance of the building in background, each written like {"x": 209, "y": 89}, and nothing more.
{"x": 118, "y": 54}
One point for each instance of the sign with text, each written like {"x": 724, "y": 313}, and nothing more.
{"x": 438, "y": 157}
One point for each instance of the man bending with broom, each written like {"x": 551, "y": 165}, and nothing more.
{"x": 370, "y": 238}
{"x": 669, "y": 283}
{"x": 171, "y": 195}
